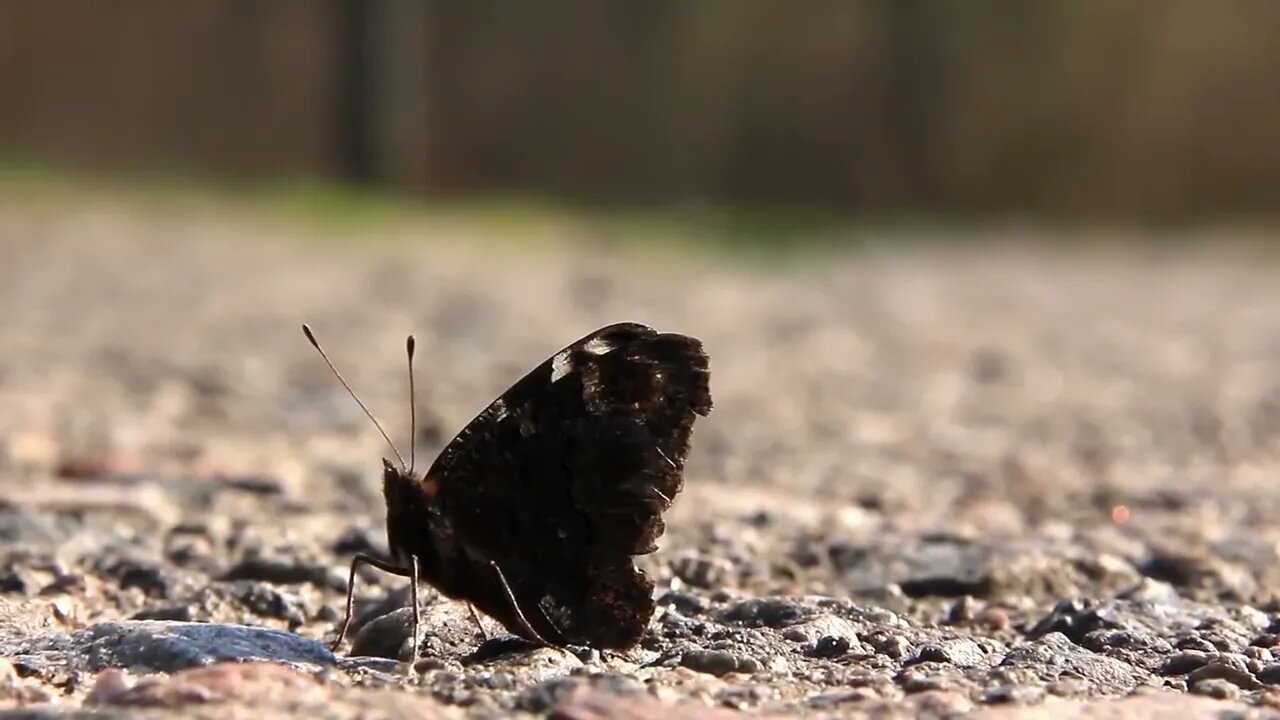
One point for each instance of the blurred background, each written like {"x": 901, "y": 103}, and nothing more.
{"x": 969, "y": 375}
{"x": 1126, "y": 110}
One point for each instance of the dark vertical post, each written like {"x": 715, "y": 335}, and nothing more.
{"x": 915, "y": 102}
{"x": 354, "y": 74}
{"x": 399, "y": 111}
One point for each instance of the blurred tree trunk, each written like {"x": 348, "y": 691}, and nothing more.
{"x": 398, "y": 103}
{"x": 355, "y": 19}
{"x": 384, "y": 91}
{"x": 914, "y": 103}
{"x": 878, "y": 106}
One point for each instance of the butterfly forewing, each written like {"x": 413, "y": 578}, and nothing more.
{"x": 564, "y": 478}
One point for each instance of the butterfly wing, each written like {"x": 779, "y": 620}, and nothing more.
{"x": 564, "y": 478}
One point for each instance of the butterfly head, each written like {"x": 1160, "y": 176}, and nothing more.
{"x": 414, "y": 522}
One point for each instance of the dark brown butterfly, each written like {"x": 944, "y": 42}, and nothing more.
{"x": 535, "y": 511}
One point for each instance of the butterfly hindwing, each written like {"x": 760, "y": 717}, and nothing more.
{"x": 565, "y": 477}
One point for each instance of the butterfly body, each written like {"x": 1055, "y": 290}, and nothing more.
{"x": 535, "y": 511}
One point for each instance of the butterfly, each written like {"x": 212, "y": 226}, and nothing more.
{"x": 535, "y": 511}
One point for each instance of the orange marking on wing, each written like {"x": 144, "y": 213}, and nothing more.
{"x": 430, "y": 486}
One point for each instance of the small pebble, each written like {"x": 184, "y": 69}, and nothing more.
{"x": 829, "y": 700}
{"x": 992, "y": 618}
{"x": 930, "y": 653}
{"x": 1270, "y": 674}
{"x": 703, "y": 572}
{"x": 746, "y": 696}
{"x": 1259, "y": 654}
{"x": 1185, "y": 662}
{"x": 110, "y": 685}
{"x": 1265, "y": 640}
{"x": 355, "y": 539}
{"x": 1196, "y": 643}
{"x": 1021, "y": 694}
{"x": 1228, "y": 671}
{"x": 685, "y": 603}
{"x": 181, "y": 613}
{"x": 586, "y": 703}
{"x": 221, "y": 681}
{"x": 770, "y": 612}
{"x": 12, "y": 581}
{"x": 962, "y": 611}
{"x": 921, "y": 682}
{"x": 1216, "y": 688}
{"x": 718, "y": 662}
{"x": 384, "y": 637}
{"x": 799, "y": 634}
{"x": 265, "y": 600}
{"x": 1067, "y": 687}
{"x": 895, "y": 646}
{"x": 830, "y": 646}
{"x": 284, "y": 571}
{"x": 960, "y": 652}
{"x": 147, "y": 577}
{"x": 64, "y": 610}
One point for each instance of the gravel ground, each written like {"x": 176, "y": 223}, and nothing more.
{"x": 1032, "y": 484}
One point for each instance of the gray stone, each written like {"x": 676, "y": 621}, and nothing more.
{"x": 770, "y": 612}
{"x": 158, "y": 645}
{"x": 1219, "y": 670}
{"x": 1054, "y": 656}
{"x": 718, "y": 662}
{"x": 961, "y": 652}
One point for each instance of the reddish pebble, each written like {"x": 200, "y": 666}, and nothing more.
{"x": 992, "y": 618}
{"x": 588, "y": 704}
{"x": 223, "y": 681}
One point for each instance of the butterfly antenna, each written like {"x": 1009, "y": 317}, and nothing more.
{"x": 409, "y": 345}
{"x": 306, "y": 330}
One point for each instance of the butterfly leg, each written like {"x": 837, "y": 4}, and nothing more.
{"x": 511, "y": 597}
{"x": 413, "y": 595}
{"x": 351, "y": 588}
{"x": 476, "y": 619}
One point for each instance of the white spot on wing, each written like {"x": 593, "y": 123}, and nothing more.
{"x": 498, "y": 409}
{"x": 598, "y": 346}
{"x": 561, "y": 365}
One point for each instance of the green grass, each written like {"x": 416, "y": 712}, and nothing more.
{"x": 336, "y": 212}
{"x": 344, "y": 215}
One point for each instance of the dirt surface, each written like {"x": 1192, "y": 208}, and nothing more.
{"x": 1030, "y": 484}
